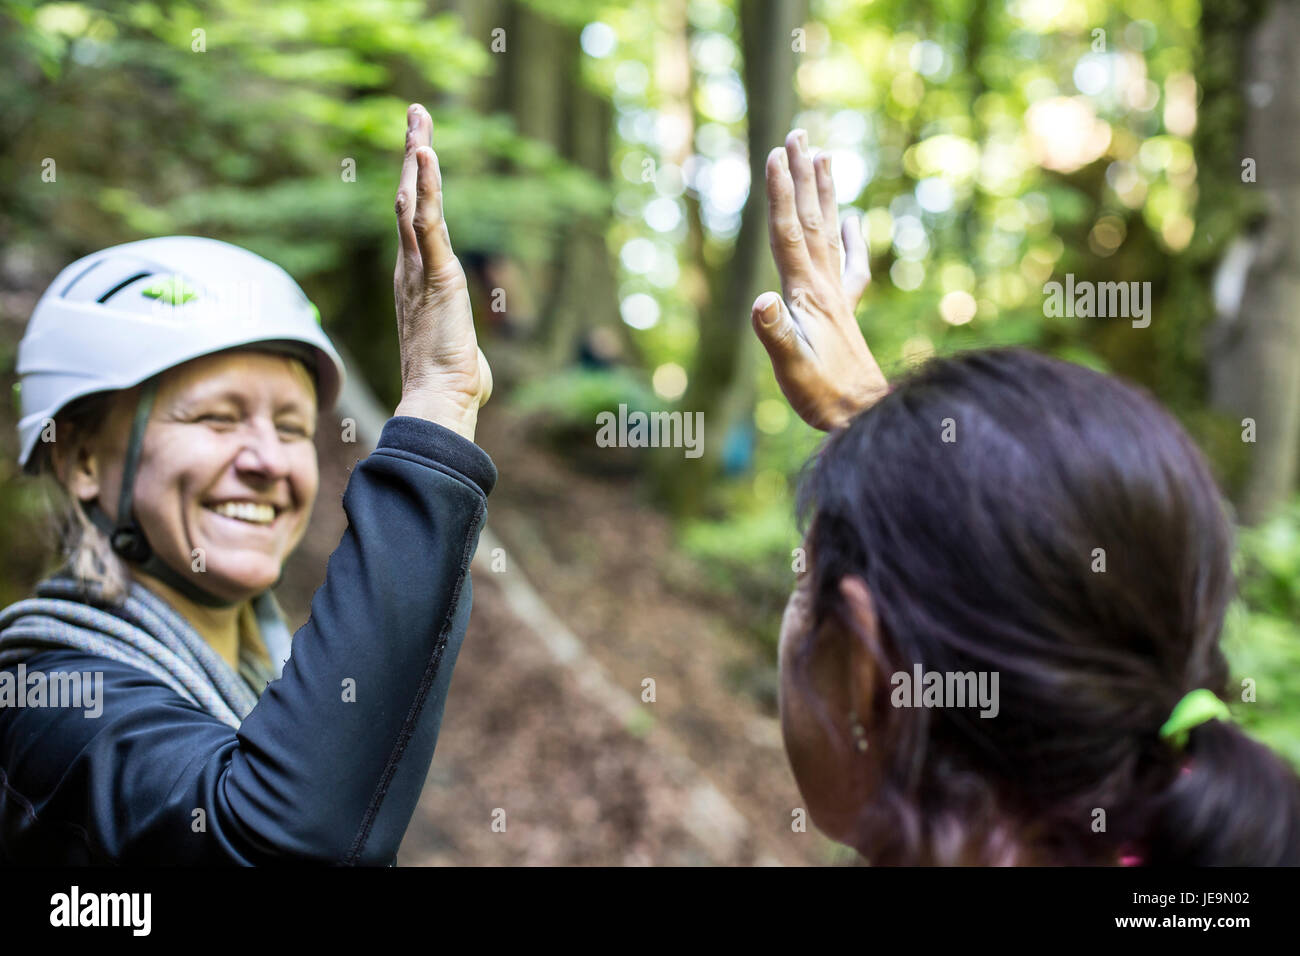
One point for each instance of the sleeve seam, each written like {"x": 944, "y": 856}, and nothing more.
{"x": 421, "y": 696}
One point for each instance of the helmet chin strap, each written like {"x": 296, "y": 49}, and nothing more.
{"x": 127, "y": 537}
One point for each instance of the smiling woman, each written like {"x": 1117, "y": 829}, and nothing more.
{"x": 171, "y": 387}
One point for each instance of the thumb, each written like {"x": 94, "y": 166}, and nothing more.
{"x": 774, "y": 326}
{"x": 857, "y": 264}
{"x": 485, "y": 379}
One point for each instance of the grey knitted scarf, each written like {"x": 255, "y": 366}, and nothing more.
{"x": 146, "y": 633}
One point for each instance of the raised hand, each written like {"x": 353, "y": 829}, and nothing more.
{"x": 820, "y": 358}
{"x": 445, "y": 376}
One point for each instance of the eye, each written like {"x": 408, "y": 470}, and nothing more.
{"x": 296, "y": 430}
{"x": 218, "y": 418}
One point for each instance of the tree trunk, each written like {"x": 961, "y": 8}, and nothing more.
{"x": 1254, "y": 360}
{"x": 721, "y": 382}
{"x": 545, "y": 95}
{"x": 586, "y": 287}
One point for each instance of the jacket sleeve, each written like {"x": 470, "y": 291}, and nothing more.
{"x": 328, "y": 767}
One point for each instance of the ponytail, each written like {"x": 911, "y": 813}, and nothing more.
{"x": 1235, "y": 803}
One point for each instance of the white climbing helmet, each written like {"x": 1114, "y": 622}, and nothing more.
{"x": 119, "y": 316}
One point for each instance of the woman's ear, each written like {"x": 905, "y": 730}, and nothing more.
{"x": 79, "y": 472}
{"x": 864, "y": 642}
{"x": 87, "y": 455}
{"x": 831, "y": 762}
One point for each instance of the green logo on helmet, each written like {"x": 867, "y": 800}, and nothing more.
{"x": 170, "y": 290}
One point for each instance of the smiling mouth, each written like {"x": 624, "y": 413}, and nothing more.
{"x": 250, "y": 512}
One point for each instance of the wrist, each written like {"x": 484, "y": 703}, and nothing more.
{"x": 847, "y": 406}
{"x": 439, "y": 409}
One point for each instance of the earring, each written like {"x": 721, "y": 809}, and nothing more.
{"x": 859, "y": 732}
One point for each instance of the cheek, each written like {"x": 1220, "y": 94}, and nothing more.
{"x": 172, "y": 472}
{"x": 165, "y": 497}
{"x": 304, "y": 476}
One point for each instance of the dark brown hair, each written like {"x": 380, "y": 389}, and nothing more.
{"x": 978, "y": 501}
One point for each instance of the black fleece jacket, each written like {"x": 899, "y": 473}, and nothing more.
{"x": 328, "y": 767}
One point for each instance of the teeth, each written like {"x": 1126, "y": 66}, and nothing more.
{"x": 246, "y": 511}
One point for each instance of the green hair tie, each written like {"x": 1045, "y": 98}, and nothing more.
{"x": 1196, "y": 707}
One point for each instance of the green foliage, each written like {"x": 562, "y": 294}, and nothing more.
{"x": 276, "y": 126}
{"x": 577, "y": 396}
{"x": 563, "y": 411}
{"x": 758, "y": 539}
{"x": 748, "y": 555}
{"x": 1262, "y": 634}
{"x": 1270, "y": 565}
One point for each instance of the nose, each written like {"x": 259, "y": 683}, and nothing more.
{"x": 263, "y": 453}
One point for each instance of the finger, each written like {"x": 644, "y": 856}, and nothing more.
{"x": 857, "y": 264}
{"x": 404, "y": 207}
{"x": 784, "y": 231}
{"x": 423, "y": 126}
{"x": 777, "y": 330}
{"x": 806, "y": 202}
{"x": 830, "y": 210}
{"x": 430, "y": 227}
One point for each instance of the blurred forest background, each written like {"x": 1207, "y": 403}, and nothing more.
{"x": 598, "y": 160}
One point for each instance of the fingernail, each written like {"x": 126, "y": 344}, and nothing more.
{"x": 802, "y": 136}
{"x": 785, "y": 161}
{"x": 767, "y": 308}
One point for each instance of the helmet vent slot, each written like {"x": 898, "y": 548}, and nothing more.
{"x": 79, "y": 276}
{"x": 122, "y": 285}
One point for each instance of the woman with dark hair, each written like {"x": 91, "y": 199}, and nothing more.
{"x": 1004, "y": 521}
